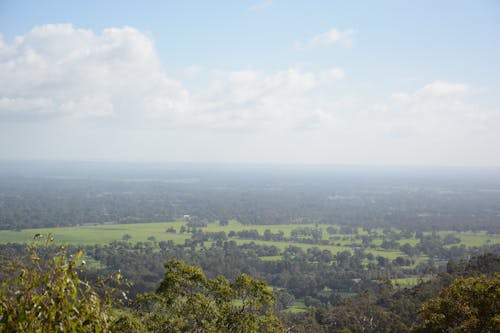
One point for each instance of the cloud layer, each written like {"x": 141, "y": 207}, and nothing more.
{"x": 57, "y": 82}
{"x": 60, "y": 71}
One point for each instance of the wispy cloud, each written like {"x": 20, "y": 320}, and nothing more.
{"x": 262, "y": 5}
{"x": 330, "y": 37}
{"x": 251, "y": 99}
{"x": 435, "y": 110}
{"x": 442, "y": 88}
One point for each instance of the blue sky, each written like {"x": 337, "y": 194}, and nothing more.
{"x": 323, "y": 82}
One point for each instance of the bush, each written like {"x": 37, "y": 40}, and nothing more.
{"x": 467, "y": 305}
{"x": 44, "y": 294}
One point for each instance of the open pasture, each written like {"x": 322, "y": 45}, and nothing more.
{"x": 143, "y": 232}
{"x": 101, "y": 234}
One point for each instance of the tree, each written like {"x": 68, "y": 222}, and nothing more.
{"x": 43, "y": 293}
{"x": 285, "y": 300}
{"x": 467, "y": 305}
{"x": 171, "y": 230}
{"x": 187, "y": 301}
{"x": 359, "y": 315}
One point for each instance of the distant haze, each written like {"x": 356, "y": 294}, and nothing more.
{"x": 271, "y": 82}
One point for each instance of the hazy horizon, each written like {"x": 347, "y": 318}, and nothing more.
{"x": 387, "y": 83}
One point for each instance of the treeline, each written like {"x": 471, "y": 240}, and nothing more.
{"x": 418, "y": 205}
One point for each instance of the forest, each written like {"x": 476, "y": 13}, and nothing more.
{"x": 238, "y": 249}
{"x": 43, "y": 194}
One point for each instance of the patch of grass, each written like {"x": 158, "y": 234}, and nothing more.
{"x": 346, "y": 294}
{"x": 298, "y": 307}
{"x": 477, "y": 239}
{"x": 270, "y": 258}
{"x": 408, "y": 282}
{"x": 389, "y": 254}
{"x": 411, "y": 241}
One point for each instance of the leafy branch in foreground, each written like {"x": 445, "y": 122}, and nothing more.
{"x": 43, "y": 293}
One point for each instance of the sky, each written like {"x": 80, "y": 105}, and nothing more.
{"x": 398, "y": 83}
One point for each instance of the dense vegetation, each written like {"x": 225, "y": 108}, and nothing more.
{"x": 44, "y": 293}
{"x": 360, "y": 250}
{"x": 51, "y": 290}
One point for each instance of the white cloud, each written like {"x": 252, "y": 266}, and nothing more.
{"x": 327, "y": 38}
{"x": 58, "y": 71}
{"x": 61, "y": 71}
{"x": 25, "y": 105}
{"x": 331, "y": 74}
{"x": 438, "y": 96}
{"x": 437, "y": 109}
{"x": 190, "y": 72}
{"x": 442, "y": 89}
{"x": 255, "y": 99}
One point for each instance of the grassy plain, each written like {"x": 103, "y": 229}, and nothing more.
{"x": 100, "y": 234}
{"x": 103, "y": 234}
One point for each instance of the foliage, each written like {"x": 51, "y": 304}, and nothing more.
{"x": 360, "y": 315}
{"x": 302, "y": 322}
{"x": 45, "y": 294}
{"x": 126, "y": 322}
{"x": 467, "y": 305}
{"x": 187, "y": 301}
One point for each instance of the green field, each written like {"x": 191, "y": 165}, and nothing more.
{"x": 297, "y": 307}
{"x": 103, "y": 234}
{"x": 408, "y": 281}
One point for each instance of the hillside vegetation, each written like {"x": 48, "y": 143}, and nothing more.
{"x": 46, "y": 291}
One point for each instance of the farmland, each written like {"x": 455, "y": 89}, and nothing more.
{"x": 157, "y": 232}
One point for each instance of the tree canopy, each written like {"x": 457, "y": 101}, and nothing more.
{"x": 467, "y": 305}
{"x": 187, "y": 301}
{"x": 44, "y": 293}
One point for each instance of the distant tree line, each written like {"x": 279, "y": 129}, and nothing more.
{"x": 48, "y": 202}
